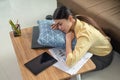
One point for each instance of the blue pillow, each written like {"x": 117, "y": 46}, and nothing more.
{"x": 49, "y": 37}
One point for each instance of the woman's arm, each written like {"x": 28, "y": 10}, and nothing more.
{"x": 69, "y": 58}
{"x": 69, "y": 38}
{"x": 83, "y": 44}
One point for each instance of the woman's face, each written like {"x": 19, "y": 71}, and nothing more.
{"x": 63, "y": 24}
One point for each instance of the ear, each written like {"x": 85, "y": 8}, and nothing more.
{"x": 70, "y": 18}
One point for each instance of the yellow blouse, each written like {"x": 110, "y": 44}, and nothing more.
{"x": 89, "y": 39}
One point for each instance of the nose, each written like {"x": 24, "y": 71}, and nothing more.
{"x": 59, "y": 27}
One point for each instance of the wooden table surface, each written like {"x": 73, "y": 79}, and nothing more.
{"x": 24, "y": 53}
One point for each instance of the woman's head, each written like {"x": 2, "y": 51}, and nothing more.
{"x": 63, "y": 19}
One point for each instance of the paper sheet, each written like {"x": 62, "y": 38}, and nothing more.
{"x": 59, "y": 54}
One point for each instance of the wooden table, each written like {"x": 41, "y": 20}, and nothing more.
{"x": 24, "y": 53}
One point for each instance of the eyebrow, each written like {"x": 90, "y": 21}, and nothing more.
{"x": 55, "y": 24}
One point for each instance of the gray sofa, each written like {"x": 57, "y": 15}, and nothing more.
{"x": 105, "y": 12}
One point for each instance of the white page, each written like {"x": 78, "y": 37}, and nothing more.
{"x": 59, "y": 54}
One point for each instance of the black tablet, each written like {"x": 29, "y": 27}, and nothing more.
{"x": 40, "y": 63}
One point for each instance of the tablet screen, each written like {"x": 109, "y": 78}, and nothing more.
{"x": 40, "y": 63}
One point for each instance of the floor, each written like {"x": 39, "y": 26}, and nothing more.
{"x": 27, "y": 12}
{"x": 110, "y": 73}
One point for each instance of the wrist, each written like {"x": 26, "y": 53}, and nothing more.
{"x": 68, "y": 40}
{"x": 68, "y": 47}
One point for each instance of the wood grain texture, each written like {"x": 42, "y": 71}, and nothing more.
{"x": 24, "y": 53}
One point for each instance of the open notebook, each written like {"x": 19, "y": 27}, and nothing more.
{"x": 59, "y": 55}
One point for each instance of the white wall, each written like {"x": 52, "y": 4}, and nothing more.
{"x": 31, "y": 10}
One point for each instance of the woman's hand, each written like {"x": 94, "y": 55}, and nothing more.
{"x": 70, "y": 36}
{"x": 55, "y": 26}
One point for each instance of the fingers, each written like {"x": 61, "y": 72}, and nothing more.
{"x": 54, "y": 26}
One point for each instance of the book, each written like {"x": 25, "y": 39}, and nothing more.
{"x": 60, "y": 55}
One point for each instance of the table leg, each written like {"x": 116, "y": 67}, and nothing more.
{"x": 76, "y": 77}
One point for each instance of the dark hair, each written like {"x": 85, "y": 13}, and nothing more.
{"x": 63, "y": 13}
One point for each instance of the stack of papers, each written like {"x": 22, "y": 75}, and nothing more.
{"x": 59, "y": 54}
